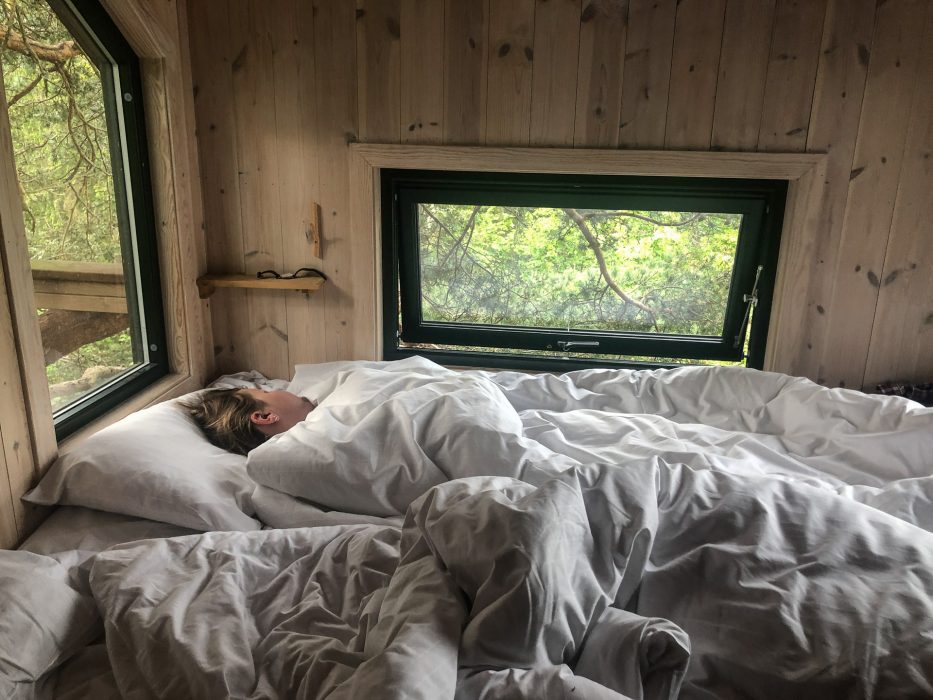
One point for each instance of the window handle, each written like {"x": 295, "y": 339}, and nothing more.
{"x": 567, "y": 344}
{"x": 751, "y": 301}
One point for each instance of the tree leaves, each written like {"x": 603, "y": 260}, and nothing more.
{"x": 664, "y": 272}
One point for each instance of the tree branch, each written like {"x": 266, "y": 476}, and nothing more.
{"x": 578, "y": 219}
{"x": 52, "y": 53}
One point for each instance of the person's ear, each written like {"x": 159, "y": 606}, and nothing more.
{"x": 263, "y": 418}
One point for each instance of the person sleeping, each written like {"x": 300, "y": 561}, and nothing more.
{"x": 240, "y": 420}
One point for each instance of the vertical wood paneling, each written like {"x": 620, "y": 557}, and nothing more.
{"x": 902, "y": 334}
{"x": 554, "y": 80}
{"x": 377, "y": 44}
{"x": 348, "y": 297}
{"x": 599, "y": 74}
{"x": 647, "y": 73}
{"x": 508, "y": 109}
{"x": 465, "y": 31}
{"x": 840, "y": 86}
{"x": 694, "y": 68}
{"x": 873, "y": 184}
{"x": 746, "y": 41}
{"x": 728, "y": 74}
{"x": 15, "y": 450}
{"x": 254, "y": 115}
{"x": 795, "y": 45}
{"x": 295, "y": 116}
{"x": 213, "y": 56}
{"x": 186, "y": 184}
{"x": 422, "y": 71}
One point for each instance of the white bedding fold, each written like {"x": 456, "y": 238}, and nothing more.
{"x": 384, "y": 435}
{"x": 498, "y": 589}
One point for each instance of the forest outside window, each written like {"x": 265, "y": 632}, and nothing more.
{"x": 74, "y": 98}
{"x": 547, "y": 271}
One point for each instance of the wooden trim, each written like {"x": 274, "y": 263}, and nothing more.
{"x": 25, "y": 323}
{"x": 803, "y": 171}
{"x": 768, "y": 166}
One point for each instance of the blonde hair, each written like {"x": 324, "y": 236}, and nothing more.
{"x": 223, "y": 415}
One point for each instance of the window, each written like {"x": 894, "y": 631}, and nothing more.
{"x": 74, "y": 98}
{"x": 563, "y": 271}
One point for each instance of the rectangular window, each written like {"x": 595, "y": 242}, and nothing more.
{"x": 74, "y": 95}
{"x": 563, "y": 271}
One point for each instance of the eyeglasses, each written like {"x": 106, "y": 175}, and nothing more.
{"x": 300, "y": 272}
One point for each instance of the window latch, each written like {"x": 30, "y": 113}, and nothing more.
{"x": 568, "y": 344}
{"x": 751, "y": 301}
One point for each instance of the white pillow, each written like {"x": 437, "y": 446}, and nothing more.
{"x": 154, "y": 464}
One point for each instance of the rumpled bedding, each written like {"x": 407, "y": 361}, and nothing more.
{"x": 385, "y": 433}
{"x": 652, "y": 581}
{"x": 695, "y": 533}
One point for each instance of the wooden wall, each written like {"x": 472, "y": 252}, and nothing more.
{"x": 281, "y": 86}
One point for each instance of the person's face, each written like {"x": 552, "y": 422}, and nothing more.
{"x": 282, "y": 410}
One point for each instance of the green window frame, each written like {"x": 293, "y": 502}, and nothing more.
{"x": 407, "y": 332}
{"x": 121, "y": 81}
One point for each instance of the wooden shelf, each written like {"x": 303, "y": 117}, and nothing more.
{"x": 208, "y": 283}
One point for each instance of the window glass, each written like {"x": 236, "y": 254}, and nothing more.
{"x": 71, "y": 85}
{"x": 531, "y": 270}
{"x": 596, "y": 269}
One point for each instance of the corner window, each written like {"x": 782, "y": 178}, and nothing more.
{"x": 74, "y": 98}
{"x": 544, "y": 271}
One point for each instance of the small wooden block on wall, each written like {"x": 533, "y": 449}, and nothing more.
{"x": 315, "y": 230}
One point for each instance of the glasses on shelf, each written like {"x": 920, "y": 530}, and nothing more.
{"x": 300, "y": 272}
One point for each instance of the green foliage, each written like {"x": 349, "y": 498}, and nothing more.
{"x": 60, "y": 139}
{"x": 532, "y": 267}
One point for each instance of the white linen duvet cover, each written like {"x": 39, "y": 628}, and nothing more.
{"x": 652, "y": 581}
{"x": 695, "y": 533}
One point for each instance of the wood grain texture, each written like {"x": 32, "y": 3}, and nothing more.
{"x": 775, "y": 166}
{"x": 422, "y": 71}
{"x": 792, "y": 66}
{"x": 347, "y": 297}
{"x": 647, "y": 73}
{"x": 16, "y": 458}
{"x": 189, "y": 203}
{"x": 465, "y": 60}
{"x": 554, "y": 78}
{"x": 599, "y": 73}
{"x": 840, "y": 86}
{"x": 901, "y": 344}
{"x": 212, "y": 60}
{"x": 694, "y": 68}
{"x": 743, "y": 65}
{"x": 295, "y": 118}
{"x": 873, "y": 183}
{"x": 746, "y": 97}
{"x": 379, "y": 31}
{"x": 508, "y": 108}
{"x": 259, "y": 184}
{"x": 33, "y": 391}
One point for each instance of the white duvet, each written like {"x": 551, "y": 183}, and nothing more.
{"x": 696, "y": 533}
{"x": 602, "y": 583}
{"x": 385, "y": 433}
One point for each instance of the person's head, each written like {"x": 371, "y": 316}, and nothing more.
{"x": 239, "y": 420}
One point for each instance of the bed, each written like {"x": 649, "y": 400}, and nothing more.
{"x": 427, "y": 533}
